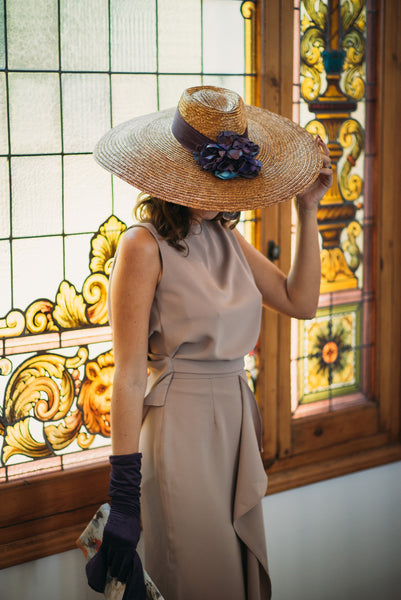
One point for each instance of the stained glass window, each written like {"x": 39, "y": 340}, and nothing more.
{"x": 334, "y": 92}
{"x": 69, "y": 70}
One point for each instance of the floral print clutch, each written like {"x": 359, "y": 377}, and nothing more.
{"x": 89, "y": 542}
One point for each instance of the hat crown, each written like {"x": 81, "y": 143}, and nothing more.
{"x": 211, "y": 110}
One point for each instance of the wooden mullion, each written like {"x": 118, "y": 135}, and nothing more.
{"x": 286, "y": 57}
{"x": 386, "y": 181}
{"x": 284, "y": 375}
{"x": 267, "y": 384}
{"x": 268, "y": 61}
{"x": 269, "y": 54}
{"x": 388, "y": 332}
{"x": 275, "y": 93}
{"x": 284, "y": 385}
{"x": 396, "y": 350}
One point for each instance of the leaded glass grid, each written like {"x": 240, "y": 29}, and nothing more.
{"x": 69, "y": 70}
{"x": 334, "y": 96}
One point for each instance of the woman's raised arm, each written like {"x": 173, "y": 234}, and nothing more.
{"x": 297, "y": 294}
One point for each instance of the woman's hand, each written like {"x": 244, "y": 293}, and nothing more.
{"x": 117, "y": 553}
{"x": 310, "y": 198}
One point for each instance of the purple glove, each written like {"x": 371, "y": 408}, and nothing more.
{"x": 117, "y": 552}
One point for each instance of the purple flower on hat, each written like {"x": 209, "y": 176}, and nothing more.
{"x": 232, "y": 155}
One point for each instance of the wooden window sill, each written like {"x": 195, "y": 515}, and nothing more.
{"x": 44, "y": 515}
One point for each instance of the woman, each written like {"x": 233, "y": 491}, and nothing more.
{"x": 185, "y": 302}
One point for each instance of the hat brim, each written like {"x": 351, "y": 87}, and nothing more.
{"x": 144, "y": 153}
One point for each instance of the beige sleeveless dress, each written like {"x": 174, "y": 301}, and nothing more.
{"x": 203, "y": 478}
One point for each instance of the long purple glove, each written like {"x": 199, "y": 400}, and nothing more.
{"x": 121, "y": 533}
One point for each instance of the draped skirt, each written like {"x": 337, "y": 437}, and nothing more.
{"x": 202, "y": 484}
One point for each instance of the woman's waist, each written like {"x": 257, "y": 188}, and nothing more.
{"x": 169, "y": 364}
{"x": 163, "y": 370}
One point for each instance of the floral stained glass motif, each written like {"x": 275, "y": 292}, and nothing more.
{"x": 334, "y": 97}
{"x": 331, "y": 354}
{"x": 58, "y": 369}
{"x": 90, "y": 66}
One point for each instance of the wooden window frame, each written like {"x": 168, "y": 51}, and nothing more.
{"x": 43, "y": 515}
{"x": 306, "y": 450}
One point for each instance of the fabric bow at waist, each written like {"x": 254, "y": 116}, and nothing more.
{"x": 161, "y": 370}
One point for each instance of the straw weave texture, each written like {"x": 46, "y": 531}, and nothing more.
{"x": 211, "y": 112}
{"x": 145, "y": 153}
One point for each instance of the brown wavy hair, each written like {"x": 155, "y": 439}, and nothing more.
{"x": 173, "y": 221}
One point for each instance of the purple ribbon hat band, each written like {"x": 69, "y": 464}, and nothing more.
{"x": 231, "y": 155}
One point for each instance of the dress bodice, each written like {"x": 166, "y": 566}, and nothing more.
{"x": 207, "y": 305}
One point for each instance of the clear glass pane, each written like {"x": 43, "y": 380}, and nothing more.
{"x": 61, "y": 190}
{"x": 32, "y": 34}
{"x": 37, "y": 203}
{"x": 37, "y": 269}
{"x": 133, "y": 95}
{"x": 86, "y": 110}
{"x": 2, "y": 38}
{"x": 34, "y": 113}
{"x": 87, "y": 194}
{"x": 133, "y": 35}
{"x": 4, "y": 199}
{"x": 84, "y": 35}
{"x": 222, "y": 21}
{"x": 232, "y": 82}
{"x": 77, "y": 248}
{"x": 125, "y": 196}
{"x": 172, "y": 86}
{"x": 304, "y": 115}
{"x": 5, "y": 278}
{"x": 3, "y": 116}
{"x": 179, "y": 36}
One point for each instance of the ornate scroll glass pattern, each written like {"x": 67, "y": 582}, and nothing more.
{"x": 334, "y": 97}
{"x": 69, "y": 70}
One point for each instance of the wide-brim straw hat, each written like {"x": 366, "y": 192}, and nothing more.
{"x": 145, "y": 153}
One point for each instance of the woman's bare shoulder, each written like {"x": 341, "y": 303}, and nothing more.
{"x": 139, "y": 240}
{"x": 138, "y": 256}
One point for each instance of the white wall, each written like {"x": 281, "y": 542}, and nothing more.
{"x": 335, "y": 540}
